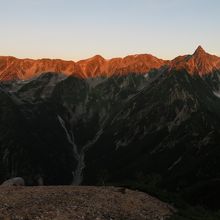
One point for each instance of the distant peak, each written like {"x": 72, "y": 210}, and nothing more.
{"x": 199, "y": 50}
{"x": 98, "y": 57}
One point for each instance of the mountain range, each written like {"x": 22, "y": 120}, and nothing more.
{"x": 200, "y": 63}
{"x": 137, "y": 121}
{"x": 13, "y": 68}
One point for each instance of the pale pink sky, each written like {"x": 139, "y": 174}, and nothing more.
{"x": 77, "y": 29}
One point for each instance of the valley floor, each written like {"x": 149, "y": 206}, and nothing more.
{"x": 80, "y": 203}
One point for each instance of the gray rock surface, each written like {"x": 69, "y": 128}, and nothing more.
{"x": 16, "y": 181}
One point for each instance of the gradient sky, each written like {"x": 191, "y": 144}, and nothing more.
{"x": 76, "y": 29}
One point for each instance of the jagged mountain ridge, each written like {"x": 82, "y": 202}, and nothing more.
{"x": 12, "y": 68}
{"x": 200, "y": 63}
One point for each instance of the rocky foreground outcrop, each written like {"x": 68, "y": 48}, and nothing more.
{"x": 88, "y": 203}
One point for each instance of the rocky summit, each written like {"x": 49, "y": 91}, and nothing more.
{"x": 80, "y": 203}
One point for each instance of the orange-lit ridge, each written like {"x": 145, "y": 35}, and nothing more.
{"x": 199, "y": 62}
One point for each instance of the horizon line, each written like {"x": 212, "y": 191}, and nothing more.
{"x": 115, "y": 57}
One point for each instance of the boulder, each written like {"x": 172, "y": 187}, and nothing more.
{"x": 16, "y": 181}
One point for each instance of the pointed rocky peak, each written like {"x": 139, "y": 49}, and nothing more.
{"x": 199, "y": 51}
{"x": 199, "y": 63}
